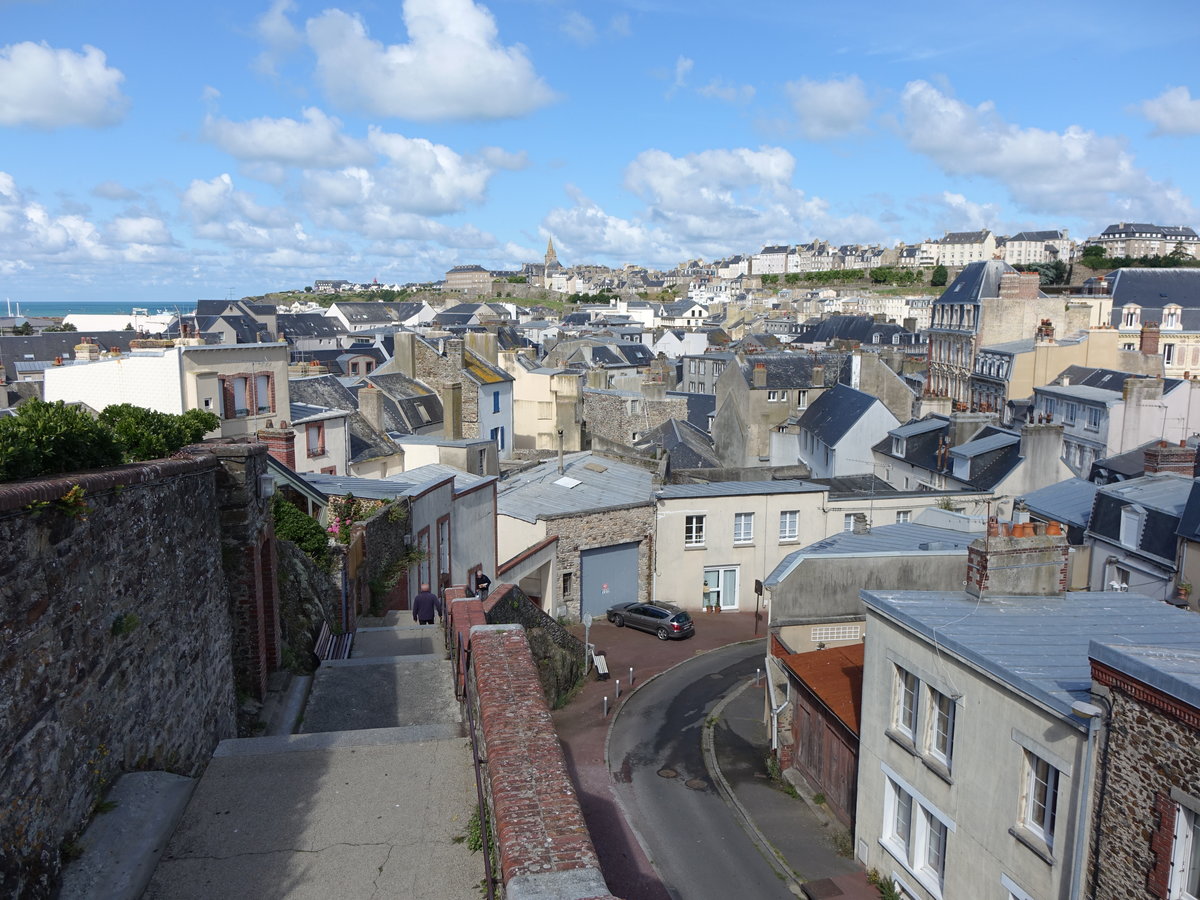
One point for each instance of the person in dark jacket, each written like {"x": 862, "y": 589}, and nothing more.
{"x": 425, "y": 605}
{"x": 482, "y": 584}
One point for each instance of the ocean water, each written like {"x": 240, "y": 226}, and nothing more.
{"x": 91, "y": 307}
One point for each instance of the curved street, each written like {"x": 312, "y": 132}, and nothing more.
{"x": 655, "y": 754}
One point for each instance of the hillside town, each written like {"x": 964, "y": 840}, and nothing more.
{"x": 949, "y": 491}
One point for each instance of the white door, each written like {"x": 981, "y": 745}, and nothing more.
{"x": 722, "y": 583}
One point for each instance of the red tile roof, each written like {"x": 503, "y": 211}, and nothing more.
{"x": 835, "y": 677}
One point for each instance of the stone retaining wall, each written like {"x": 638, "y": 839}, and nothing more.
{"x": 116, "y": 646}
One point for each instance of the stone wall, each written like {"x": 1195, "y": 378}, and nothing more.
{"x": 308, "y": 596}
{"x": 386, "y": 541}
{"x": 602, "y": 528}
{"x": 1153, "y": 748}
{"x": 559, "y": 655}
{"x": 437, "y": 371}
{"x": 608, "y": 415}
{"x": 116, "y": 630}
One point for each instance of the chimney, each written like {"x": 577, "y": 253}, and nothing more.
{"x": 1023, "y": 560}
{"x": 485, "y": 344}
{"x": 1149, "y": 340}
{"x": 1045, "y": 332}
{"x": 964, "y": 426}
{"x": 860, "y": 525}
{"x": 760, "y": 375}
{"x": 1167, "y": 457}
{"x": 281, "y": 442}
{"x": 1041, "y": 446}
{"x": 370, "y": 404}
{"x": 454, "y": 353}
{"x": 452, "y": 429}
{"x": 818, "y": 376}
{"x": 1019, "y": 285}
{"x": 86, "y": 350}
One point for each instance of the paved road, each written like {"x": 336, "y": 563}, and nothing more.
{"x": 690, "y": 833}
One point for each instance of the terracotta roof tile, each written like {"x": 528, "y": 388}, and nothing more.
{"x": 835, "y": 676}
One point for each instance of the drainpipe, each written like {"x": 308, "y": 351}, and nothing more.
{"x": 560, "y": 451}
{"x": 1094, "y": 715}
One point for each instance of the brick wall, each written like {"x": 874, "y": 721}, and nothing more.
{"x": 117, "y": 645}
{"x": 542, "y": 840}
{"x": 1153, "y": 746}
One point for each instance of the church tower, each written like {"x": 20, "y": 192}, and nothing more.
{"x": 551, "y": 256}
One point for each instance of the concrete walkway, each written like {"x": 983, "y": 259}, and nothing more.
{"x": 372, "y": 799}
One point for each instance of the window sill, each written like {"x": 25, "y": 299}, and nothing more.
{"x": 905, "y": 742}
{"x": 794, "y": 540}
{"x": 687, "y": 547}
{"x": 897, "y": 853}
{"x": 1039, "y": 847}
{"x": 314, "y": 454}
{"x": 938, "y": 768}
{"x": 743, "y": 544}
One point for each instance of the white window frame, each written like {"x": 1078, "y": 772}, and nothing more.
{"x": 903, "y": 516}
{"x": 1168, "y": 354}
{"x": 1185, "y": 856}
{"x": 693, "y": 531}
{"x": 1039, "y": 800}
{"x": 1093, "y": 418}
{"x": 743, "y": 528}
{"x": 1131, "y": 525}
{"x": 847, "y": 519}
{"x": 915, "y": 833}
{"x": 789, "y": 525}
{"x": 940, "y": 738}
{"x": 906, "y": 701}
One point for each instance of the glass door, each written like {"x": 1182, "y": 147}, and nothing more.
{"x": 721, "y": 585}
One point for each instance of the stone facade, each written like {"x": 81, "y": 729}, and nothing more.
{"x": 603, "y": 528}
{"x": 1152, "y": 753}
{"x": 624, "y": 417}
{"x": 116, "y": 631}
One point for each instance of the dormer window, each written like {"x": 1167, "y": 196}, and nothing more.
{"x": 1171, "y": 317}
{"x": 898, "y": 446}
{"x": 1131, "y": 317}
{"x": 1131, "y": 525}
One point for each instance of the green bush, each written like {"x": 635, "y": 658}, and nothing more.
{"x": 149, "y": 434}
{"x": 52, "y": 438}
{"x": 292, "y": 524}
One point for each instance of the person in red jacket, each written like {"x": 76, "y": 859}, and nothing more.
{"x": 425, "y": 605}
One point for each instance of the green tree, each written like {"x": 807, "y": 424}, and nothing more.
{"x": 129, "y": 326}
{"x": 62, "y": 326}
{"x": 1094, "y": 256}
{"x": 770, "y": 279}
{"x": 939, "y": 276}
{"x": 23, "y": 329}
{"x": 52, "y": 438}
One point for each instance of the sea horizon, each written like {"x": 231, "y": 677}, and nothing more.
{"x": 58, "y": 309}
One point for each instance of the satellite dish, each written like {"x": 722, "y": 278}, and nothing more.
{"x": 587, "y": 620}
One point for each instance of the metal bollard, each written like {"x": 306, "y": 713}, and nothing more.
{"x": 618, "y": 684}
{"x": 631, "y": 676}
{"x": 606, "y": 706}
{"x": 757, "y": 676}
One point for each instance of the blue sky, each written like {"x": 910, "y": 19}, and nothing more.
{"x": 172, "y": 151}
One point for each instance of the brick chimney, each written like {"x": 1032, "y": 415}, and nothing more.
{"x": 370, "y": 404}
{"x": 1167, "y": 457}
{"x": 1045, "y": 332}
{"x": 760, "y": 375}
{"x": 1019, "y": 285}
{"x": 1149, "y": 340}
{"x": 87, "y": 350}
{"x": 1032, "y": 562}
{"x": 281, "y": 442}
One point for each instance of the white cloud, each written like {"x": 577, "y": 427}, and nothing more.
{"x": 683, "y": 68}
{"x": 1073, "y": 172}
{"x": 317, "y": 142}
{"x": 954, "y": 212}
{"x": 453, "y": 66}
{"x": 138, "y": 230}
{"x": 720, "y": 89}
{"x": 276, "y": 30}
{"x": 579, "y": 28}
{"x": 830, "y": 109}
{"x": 708, "y": 204}
{"x": 620, "y": 26}
{"x": 220, "y": 212}
{"x": 1172, "y": 112}
{"x": 114, "y": 190}
{"x": 47, "y": 88}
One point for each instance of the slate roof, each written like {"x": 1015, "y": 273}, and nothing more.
{"x": 1067, "y": 501}
{"x": 600, "y": 483}
{"x": 325, "y": 390}
{"x": 294, "y": 325}
{"x": 47, "y": 345}
{"x": 994, "y": 452}
{"x": 1153, "y": 289}
{"x": 862, "y": 329}
{"x": 412, "y": 405}
{"x": 737, "y": 489}
{"x": 842, "y": 487}
{"x": 1037, "y": 236}
{"x": 1038, "y": 646}
{"x": 1189, "y": 520}
{"x": 835, "y": 677}
{"x": 699, "y": 408}
{"x": 987, "y": 444}
{"x": 1175, "y": 671}
{"x": 1163, "y": 497}
{"x": 834, "y": 413}
{"x": 905, "y": 537}
{"x": 368, "y": 312}
{"x": 964, "y": 237}
{"x": 789, "y": 371}
{"x": 370, "y": 488}
{"x": 688, "y": 447}
{"x": 299, "y": 413}
{"x": 976, "y": 280}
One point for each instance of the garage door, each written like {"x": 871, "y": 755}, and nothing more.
{"x": 610, "y": 575}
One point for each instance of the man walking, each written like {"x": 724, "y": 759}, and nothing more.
{"x": 424, "y": 605}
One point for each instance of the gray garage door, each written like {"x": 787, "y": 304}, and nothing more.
{"x": 610, "y": 575}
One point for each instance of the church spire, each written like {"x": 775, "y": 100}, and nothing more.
{"x": 551, "y": 256}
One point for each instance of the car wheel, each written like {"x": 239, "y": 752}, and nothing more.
{"x": 663, "y": 634}
{"x": 619, "y": 620}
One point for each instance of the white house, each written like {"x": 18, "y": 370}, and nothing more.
{"x": 837, "y": 430}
